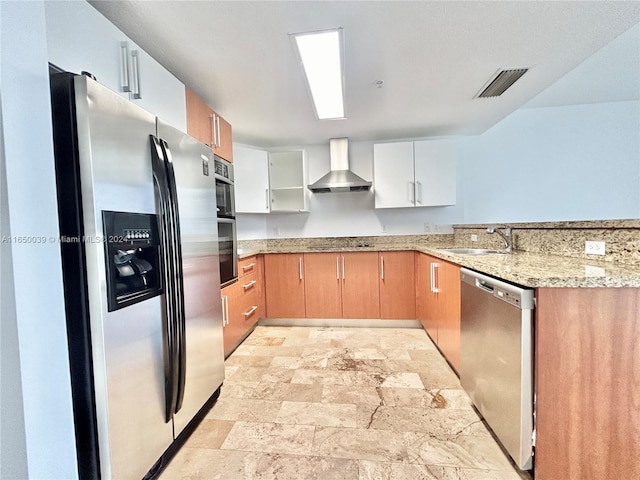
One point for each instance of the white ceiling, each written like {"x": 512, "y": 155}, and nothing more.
{"x": 433, "y": 57}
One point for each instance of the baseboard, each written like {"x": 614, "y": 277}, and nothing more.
{"x": 338, "y": 322}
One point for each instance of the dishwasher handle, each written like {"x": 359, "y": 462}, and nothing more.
{"x": 484, "y": 286}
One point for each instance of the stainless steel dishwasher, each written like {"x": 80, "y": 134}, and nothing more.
{"x": 496, "y": 358}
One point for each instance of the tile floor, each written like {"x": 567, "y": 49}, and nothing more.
{"x": 340, "y": 403}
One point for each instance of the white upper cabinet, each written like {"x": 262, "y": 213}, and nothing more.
{"x": 414, "y": 174}
{"x": 435, "y": 167}
{"x": 288, "y": 181}
{"x": 251, "y": 172}
{"x": 393, "y": 175}
{"x": 79, "y": 38}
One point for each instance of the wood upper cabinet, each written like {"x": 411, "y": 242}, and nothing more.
{"x": 198, "y": 118}
{"x": 222, "y": 137}
{"x": 323, "y": 285}
{"x": 587, "y": 366}
{"x": 360, "y": 285}
{"x": 207, "y": 126}
{"x": 397, "y": 280}
{"x": 284, "y": 285}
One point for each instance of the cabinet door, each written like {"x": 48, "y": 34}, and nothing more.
{"x": 393, "y": 175}
{"x": 397, "y": 285}
{"x": 322, "y": 285}
{"x": 449, "y": 303}
{"x": 435, "y": 173}
{"x": 222, "y": 136}
{"x": 427, "y": 300}
{"x": 231, "y": 331}
{"x": 360, "y": 285}
{"x": 79, "y": 38}
{"x": 287, "y": 181}
{"x": 284, "y": 285}
{"x": 251, "y": 171}
{"x": 199, "y": 118}
{"x": 156, "y": 90}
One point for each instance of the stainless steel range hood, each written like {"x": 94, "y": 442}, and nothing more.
{"x": 340, "y": 178}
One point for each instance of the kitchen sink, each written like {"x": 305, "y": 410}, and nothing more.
{"x": 473, "y": 251}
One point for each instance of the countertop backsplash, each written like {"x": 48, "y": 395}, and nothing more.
{"x": 566, "y": 239}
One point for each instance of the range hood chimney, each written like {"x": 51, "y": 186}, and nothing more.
{"x": 340, "y": 178}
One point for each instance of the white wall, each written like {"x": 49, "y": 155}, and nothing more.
{"x": 44, "y": 435}
{"x": 578, "y": 162}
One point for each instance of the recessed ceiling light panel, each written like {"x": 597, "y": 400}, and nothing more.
{"x": 322, "y": 60}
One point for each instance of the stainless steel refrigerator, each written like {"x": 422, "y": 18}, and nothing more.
{"x": 138, "y": 223}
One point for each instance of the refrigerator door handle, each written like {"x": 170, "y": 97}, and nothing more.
{"x": 178, "y": 276}
{"x": 170, "y": 347}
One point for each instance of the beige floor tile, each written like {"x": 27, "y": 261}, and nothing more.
{"x": 321, "y": 414}
{"x": 402, "y": 380}
{"x": 306, "y": 342}
{"x": 268, "y": 351}
{"x": 257, "y": 374}
{"x": 381, "y": 354}
{"x": 337, "y": 377}
{"x": 420, "y": 398}
{"x": 248, "y": 361}
{"x": 270, "y": 438}
{"x": 438, "y": 423}
{"x": 369, "y": 470}
{"x": 209, "y": 464}
{"x": 350, "y": 394}
{"x": 264, "y": 341}
{"x": 284, "y": 391}
{"x": 361, "y": 444}
{"x": 298, "y": 467}
{"x": 209, "y": 434}
{"x": 250, "y": 410}
{"x": 299, "y": 362}
{"x": 464, "y": 451}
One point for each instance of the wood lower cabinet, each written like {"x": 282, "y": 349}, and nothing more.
{"x": 397, "y": 280}
{"x": 438, "y": 297}
{"x": 587, "y": 365}
{"x": 360, "y": 285}
{"x": 323, "y": 285}
{"x": 284, "y": 285}
{"x": 342, "y": 285}
{"x": 242, "y": 303}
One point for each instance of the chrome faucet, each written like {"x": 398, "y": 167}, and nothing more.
{"x": 506, "y": 237}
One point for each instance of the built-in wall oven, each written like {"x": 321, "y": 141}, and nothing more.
{"x": 227, "y": 239}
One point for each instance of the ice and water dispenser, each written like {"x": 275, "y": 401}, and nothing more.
{"x": 133, "y": 258}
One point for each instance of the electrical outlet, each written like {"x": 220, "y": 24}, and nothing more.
{"x": 594, "y": 247}
{"x": 474, "y": 237}
{"x": 276, "y": 231}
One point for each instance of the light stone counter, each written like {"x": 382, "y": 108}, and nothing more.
{"x": 530, "y": 269}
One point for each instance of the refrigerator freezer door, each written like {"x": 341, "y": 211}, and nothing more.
{"x": 194, "y": 173}
{"x": 127, "y": 344}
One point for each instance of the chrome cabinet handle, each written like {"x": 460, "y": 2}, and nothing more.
{"x": 381, "y": 267}
{"x": 338, "y": 267}
{"x": 434, "y": 284}
{"x": 218, "y": 139}
{"x": 410, "y": 192}
{"x": 124, "y": 67}
{"x": 300, "y": 265}
{"x": 249, "y": 312}
{"x": 343, "y": 275}
{"x": 135, "y": 59}
{"x": 225, "y": 311}
{"x": 215, "y": 130}
{"x": 247, "y": 286}
{"x": 418, "y": 192}
{"x": 266, "y": 190}
{"x": 248, "y": 267}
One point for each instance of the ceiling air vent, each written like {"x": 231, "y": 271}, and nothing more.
{"x": 502, "y": 81}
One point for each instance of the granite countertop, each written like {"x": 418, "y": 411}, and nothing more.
{"x": 525, "y": 268}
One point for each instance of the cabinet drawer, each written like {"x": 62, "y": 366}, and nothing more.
{"x": 248, "y": 283}
{"x": 247, "y": 266}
